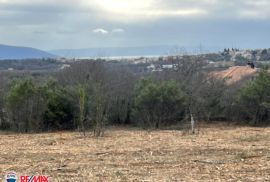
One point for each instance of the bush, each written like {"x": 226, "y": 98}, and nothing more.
{"x": 35, "y": 108}
{"x": 26, "y": 104}
{"x": 60, "y": 112}
{"x": 254, "y": 99}
{"x": 208, "y": 101}
{"x": 155, "y": 104}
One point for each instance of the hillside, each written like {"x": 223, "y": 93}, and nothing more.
{"x": 16, "y": 52}
{"x": 235, "y": 73}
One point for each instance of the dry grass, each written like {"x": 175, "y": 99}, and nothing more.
{"x": 218, "y": 153}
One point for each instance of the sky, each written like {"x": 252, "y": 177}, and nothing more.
{"x": 74, "y": 24}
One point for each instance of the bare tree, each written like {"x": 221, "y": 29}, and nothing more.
{"x": 82, "y": 103}
{"x": 99, "y": 110}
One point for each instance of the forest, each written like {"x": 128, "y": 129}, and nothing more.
{"x": 93, "y": 95}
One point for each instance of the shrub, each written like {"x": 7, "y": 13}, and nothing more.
{"x": 254, "y": 99}
{"x": 156, "y": 104}
{"x": 60, "y": 112}
{"x": 26, "y": 104}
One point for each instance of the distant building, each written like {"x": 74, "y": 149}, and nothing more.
{"x": 64, "y": 66}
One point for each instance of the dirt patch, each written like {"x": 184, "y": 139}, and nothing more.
{"x": 218, "y": 153}
{"x": 235, "y": 73}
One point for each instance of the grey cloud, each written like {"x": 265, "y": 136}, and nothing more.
{"x": 50, "y": 24}
{"x": 41, "y": 6}
{"x": 63, "y": 32}
{"x": 118, "y": 30}
{"x": 39, "y": 32}
{"x": 223, "y": 8}
{"x": 43, "y": 12}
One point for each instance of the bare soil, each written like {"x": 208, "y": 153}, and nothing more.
{"x": 235, "y": 73}
{"x": 217, "y": 153}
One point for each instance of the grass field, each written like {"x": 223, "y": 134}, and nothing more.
{"x": 217, "y": 153}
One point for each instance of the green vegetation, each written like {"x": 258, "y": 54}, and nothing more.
{"x": 91, "y": 95}
{"x": 155, "y": 104}
{"x": 255, "y": 100}
{"x": 25, "y": 106}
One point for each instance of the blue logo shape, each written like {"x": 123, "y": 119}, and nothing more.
{"x": 11, "y": 177}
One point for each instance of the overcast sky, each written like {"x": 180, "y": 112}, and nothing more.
{"x": 56, "y": 24}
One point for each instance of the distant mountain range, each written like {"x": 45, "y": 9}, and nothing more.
{"x": 161, "y": 50}
{"x": 113, "y": 52}
{"x": 17, "y": 52}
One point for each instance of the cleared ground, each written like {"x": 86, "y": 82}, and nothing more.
{"x": 218, "y": 153}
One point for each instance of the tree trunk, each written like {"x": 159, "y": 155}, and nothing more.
{"x": 192, "y": 124}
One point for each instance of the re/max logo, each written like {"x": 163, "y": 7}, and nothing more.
{"x": 34, "y": 179}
